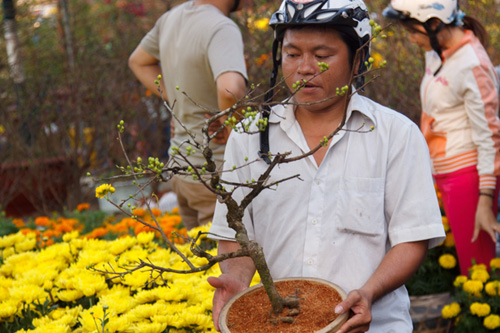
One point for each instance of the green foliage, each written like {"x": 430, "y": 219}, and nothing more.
{"x": 6, "y": 225}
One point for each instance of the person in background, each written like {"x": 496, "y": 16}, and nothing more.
{"x": 198, "y": 50}
{"x": 459, "y": 120}
{"x": 363, "y": 213}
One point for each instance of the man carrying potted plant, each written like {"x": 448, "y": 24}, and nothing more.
{"x": 364, "y": 211}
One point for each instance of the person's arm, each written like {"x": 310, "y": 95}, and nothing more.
{"x": 231, "y": 87}
{"x": 146, "y": 68}
{"x": 236, "y": 276}
{"x": 481, "y": 106}
{"x": 397, "y": 267}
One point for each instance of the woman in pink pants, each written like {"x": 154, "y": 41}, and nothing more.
{"x": 459, "y": 120}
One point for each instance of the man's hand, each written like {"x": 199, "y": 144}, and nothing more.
{"x": 226, "y": 287}
{"x": 359, "y": 303}
{"x": 221, "y": 137}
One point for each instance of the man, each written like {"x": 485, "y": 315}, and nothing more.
{"x": 364, "y": 210}
{"x": 198, "y": 50}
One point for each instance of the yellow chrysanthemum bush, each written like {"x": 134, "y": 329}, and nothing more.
{"x": 476, "y": 300}
{"x": 62, "y": 287}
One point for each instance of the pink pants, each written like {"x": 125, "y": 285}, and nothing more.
{"x": 460, "y": 195}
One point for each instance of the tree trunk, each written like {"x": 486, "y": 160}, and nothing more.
{"x": 66, "y": 28}
{"x": 12, "y": 42}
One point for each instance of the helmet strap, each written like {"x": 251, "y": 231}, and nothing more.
{"x": 432, "y": 33}
{"x": 266, "y": 110}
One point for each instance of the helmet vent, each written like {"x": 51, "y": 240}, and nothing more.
{"x": 325, "y": 16}
{"x": 310, "y": 10}
{"x": 291, "y": 11}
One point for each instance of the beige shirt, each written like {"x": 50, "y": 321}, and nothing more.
{"x": 195, "y": 44}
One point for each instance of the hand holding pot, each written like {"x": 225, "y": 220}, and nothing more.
{"x": 226, "y": 287}
{"x": 359, "y": 304}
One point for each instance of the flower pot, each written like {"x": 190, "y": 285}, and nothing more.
{"x": 249, "y": 311}
{"x": 123, "y": 190}
{"x": 425, "y": 313}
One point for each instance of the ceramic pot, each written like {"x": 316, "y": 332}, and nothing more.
{"x": 226, "y": 321}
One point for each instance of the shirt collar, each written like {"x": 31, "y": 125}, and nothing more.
{"x": 467, "y": 38}
{"x": 284, "y": 113}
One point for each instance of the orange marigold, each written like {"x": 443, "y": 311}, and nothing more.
{"x": 83, "y": 206}
{"x": 42, "y": 221}
{"x": 139, "y": 212}
{"x": 18, "y": 223}
{"x": 155, "y": 211}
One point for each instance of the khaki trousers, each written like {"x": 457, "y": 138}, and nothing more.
{"x": 196, "y": 202}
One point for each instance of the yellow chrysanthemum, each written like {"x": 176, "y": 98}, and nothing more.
{"x": 450, "y": 310}
{"x": 480, "y": 309}
{"x": 104, "y": 189}
{"x": 69, "y": 295}
{"x": 27, "y": 244}
{"x": 492, "y": 322}
{"x": 492, "y": 288}
{"x": 28, "y": 293}
{"x": 447, "y": 261}
{"x": 121, "y": 245}
{"x": 145, "y": 237}
{"x": 473, "y": 287}
{"x": 88, "y": 318}
{"x": 89, "y": 283}
{"x": 10, "y": 240}
{"x": 479, "y": 267}
{"x": 71, "y": 235}
{"x": 480, "y": 275}
{"x": 460, "y": 280}
{"x": 495, "y": 263}
{"x": 148, "y": 327}
{"x": 8, "y": 309}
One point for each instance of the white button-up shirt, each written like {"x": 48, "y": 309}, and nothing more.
{"x": 337, "y": 221}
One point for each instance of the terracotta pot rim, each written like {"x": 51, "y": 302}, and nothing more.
{"x": 334, "y": 324}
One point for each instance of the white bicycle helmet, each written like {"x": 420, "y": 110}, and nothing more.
{"x": 348, "y": 16}
{"x": 423, "y": 10}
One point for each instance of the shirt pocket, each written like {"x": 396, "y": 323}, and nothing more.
{"x": 361, "y": 206}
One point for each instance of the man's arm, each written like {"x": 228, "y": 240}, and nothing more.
{"x": 397, "y": 267}
{"x": 236, "y": 276}
{"x": 231, "y": 86}
{"x": 146, "y": 68}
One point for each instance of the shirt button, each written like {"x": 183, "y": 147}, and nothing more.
{"x": 314, "y": 222}
{"x": 317, "y": 181}
{"x": 310, "y": 261}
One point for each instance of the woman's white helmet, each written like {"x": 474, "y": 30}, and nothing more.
{"x": 423, "y": 10}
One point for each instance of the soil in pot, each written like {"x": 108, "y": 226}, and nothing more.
{"x": 251, "y": 311}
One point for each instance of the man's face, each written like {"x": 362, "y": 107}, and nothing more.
{"x": 303, "y": 49}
